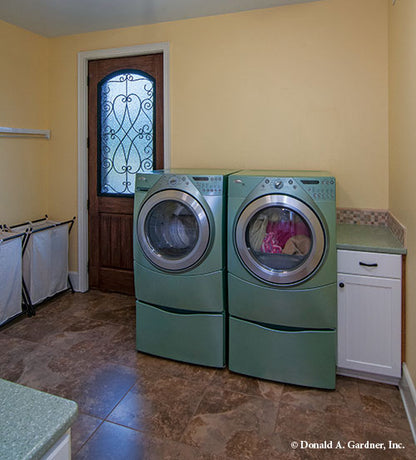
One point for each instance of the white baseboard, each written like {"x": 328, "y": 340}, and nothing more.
{"x": 369, "y": 376}
{"x": 408, "y": 394}
{"x": 74, "y": 277}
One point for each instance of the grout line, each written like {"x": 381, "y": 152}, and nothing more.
{"x": 279, "y": 406}
{"x": 137, "y": 430}
{"x": 105, "y": 419}
{"x": 91, "y": 435}
{"x": 252, "y": 395}
{"x": 119, "y": 401}
{"x": 180, "y": 439}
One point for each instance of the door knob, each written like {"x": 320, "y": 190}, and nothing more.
{"x": 341, "y": 285}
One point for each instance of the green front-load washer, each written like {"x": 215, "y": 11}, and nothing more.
{"x": 179, "y": 264}
{"x": 282, "y": 273}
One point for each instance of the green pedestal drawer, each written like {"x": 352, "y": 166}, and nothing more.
{"x": 291, "y": 356}
{"x": 196, "y": 338}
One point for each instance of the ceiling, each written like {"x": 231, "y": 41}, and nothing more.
{"x": 52, "y": 18}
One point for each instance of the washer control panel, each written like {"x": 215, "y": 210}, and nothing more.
{"x": 207, "y": 185}
{"x": 319, "y": 188}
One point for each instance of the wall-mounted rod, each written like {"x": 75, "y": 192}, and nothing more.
{"x": 18, "y": 132}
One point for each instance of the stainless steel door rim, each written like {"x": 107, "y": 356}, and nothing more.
{"x": 263, "y": 272}
{"x": 199, "y": 249}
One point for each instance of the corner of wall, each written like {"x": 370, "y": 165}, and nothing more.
{"x": 408, "y": 394}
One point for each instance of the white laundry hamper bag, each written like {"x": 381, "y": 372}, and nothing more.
{"x": 45, "y": 261}
{"x": 10, "y": 276}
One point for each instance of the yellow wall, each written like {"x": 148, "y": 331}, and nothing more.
{"x": 402, "y": 91}
{"x": 24, "y": 104}
{"x": 296, "y": 87}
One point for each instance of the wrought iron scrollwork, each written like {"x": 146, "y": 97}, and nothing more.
{"x": 126, "y": 114}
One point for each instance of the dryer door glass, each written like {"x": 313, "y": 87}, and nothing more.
{"x": 173, "y": 230}
{"x": 280, "y": 239}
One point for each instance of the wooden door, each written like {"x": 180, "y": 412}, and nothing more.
{"x": 125, "y": 132}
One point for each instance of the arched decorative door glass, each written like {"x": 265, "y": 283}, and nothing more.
{"x": 126, "y": 118}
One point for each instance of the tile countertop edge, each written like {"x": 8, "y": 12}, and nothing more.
{"x": 31, "y": 421}
{"x": 368, "y": 238}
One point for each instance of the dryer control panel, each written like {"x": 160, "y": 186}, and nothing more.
{"x": 318, "y": 188}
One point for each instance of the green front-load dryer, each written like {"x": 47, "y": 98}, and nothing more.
{"x": 179, "y": 264}
{"x": 282, "y": 273}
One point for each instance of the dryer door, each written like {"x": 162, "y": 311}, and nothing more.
{"x": 279, "y": 239}
{"x": 173, "y": 230}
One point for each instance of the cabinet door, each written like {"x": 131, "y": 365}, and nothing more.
{"x": 369, "y": 324}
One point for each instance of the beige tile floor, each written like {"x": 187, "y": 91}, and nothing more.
{"x": 135, "y": 406}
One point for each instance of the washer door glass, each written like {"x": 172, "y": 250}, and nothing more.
{"x": 280, "y": 239}
{"x": 173, "y": 230}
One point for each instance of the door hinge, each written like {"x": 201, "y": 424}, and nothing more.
{"x": 88, "y": 205}
{"x": 88, "y": 142}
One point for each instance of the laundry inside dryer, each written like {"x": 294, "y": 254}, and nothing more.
{"x": 279, "y": 238}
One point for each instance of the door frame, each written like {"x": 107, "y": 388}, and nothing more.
{"x": 82, "y": 283}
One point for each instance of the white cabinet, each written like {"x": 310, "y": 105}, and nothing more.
{"x": 369, "y": 315}
{"x": 61, "y": 450}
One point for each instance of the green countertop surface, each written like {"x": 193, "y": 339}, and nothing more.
{"x": 31, "y": 421}
{"x": 371, "y": 238}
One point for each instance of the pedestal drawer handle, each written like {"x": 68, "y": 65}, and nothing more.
{"x": 368, "y": 265}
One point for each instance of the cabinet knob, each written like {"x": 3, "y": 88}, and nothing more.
{"x": 341, "y": 285}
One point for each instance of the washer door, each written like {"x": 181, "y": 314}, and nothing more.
{"x": 173, "y": 230}
{"x": 279, "y": 239}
